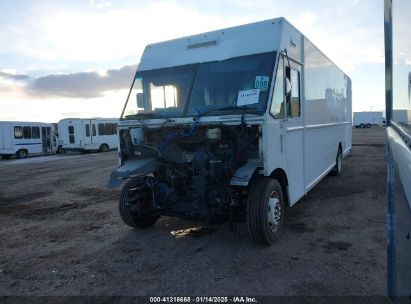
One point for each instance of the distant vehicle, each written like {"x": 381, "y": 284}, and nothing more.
{"x": 88, "y": 134}
{"x": 367, "y": 119}
{"x": 27, "y": 138}
{"x": 231, "y": 125}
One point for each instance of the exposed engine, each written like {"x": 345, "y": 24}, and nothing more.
{"x": 195, "y": 165}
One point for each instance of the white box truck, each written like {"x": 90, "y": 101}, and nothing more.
{"x": 88, "y": 134}
{"x": 231, "y": 125}
{"x": 367, "y": 119}
{"x": 22, "y": 138}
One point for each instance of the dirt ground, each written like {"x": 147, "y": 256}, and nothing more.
{"x": 61, "y": 235}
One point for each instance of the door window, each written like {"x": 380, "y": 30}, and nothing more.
{"x": 71, "y": 134}
{"x": 295, "y": 93}
{"x": 277, "y": 104}
{"x": 87, "y": 130}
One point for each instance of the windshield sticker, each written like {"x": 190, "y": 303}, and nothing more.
{"x": 261, "y": 82}
{"x": 248, "y": 97}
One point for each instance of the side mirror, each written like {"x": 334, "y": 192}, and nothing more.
{"x": 140, "y": 101}
{"x": 287, "y": 87}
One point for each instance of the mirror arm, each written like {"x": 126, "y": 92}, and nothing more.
{"x": 288, "y": 58}
{"x": 129, "y": 93}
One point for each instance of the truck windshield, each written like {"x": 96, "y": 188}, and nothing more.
{"x": 224, "y": 86}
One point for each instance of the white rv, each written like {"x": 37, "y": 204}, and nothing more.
{"x": 231, "y": 125}
{"x": 86, "y": 134}
{"x": 367, "y": 119}
{"x": 26, "y": 138}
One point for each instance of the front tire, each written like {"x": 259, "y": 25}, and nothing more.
{"x": 134, "y": 210}
{"x": 265, "y": 211}
{"x": 21, "y": 153}
{"x": 103, "y": 148}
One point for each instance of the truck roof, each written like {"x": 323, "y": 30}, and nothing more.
{"x": 215, "y": 45}
{"x": 247, "y": 39}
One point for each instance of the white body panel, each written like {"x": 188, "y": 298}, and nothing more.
{"x": 88, "y": 133}
{"x": 303, "y": 147}
{"x": 374, "y": 118}
{"x": 402, "y": 116}
{"x": 34, "y": 137}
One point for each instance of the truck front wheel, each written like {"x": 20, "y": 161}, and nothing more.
{"x": 21, "y": 153}
{"x": 265, "y": 211}
{"x": 135, "y": 205}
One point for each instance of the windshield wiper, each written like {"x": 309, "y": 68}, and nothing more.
{"x": 142, "y": 115}
{"x": 231, "y": 107}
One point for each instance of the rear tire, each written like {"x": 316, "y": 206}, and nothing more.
{"x": 265, "y": 211}
{"x": 103, "y": 148}
{"x": 368, "y": 125}
{"x": 21, "y": 153}
{"x": 362, "y": 126}
{"x": 338, "y": 164}
{"x": 132, "y": 211}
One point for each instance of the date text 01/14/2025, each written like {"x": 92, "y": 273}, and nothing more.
{"x": 205, "y": 299}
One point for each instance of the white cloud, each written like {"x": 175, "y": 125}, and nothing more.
{"x": 53, "y": 109}
{"x": 100, "y": 4}
{"x": 56, "y": 34}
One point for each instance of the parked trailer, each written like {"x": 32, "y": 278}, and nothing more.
{"x": 367, "y": 119}
{"x": 87, "y": 134}
{"x": 27, "y": 138}
{"x": 231, "y": 125}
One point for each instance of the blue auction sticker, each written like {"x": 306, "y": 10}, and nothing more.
{"x": 261, "y": 82}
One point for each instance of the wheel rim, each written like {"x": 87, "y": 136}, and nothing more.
{"x": 274, "y": 211}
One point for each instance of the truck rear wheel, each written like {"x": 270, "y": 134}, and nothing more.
{"x": 103, "y": 148}
{"x": 362, "y": 126}
{"x": 368, "y": 125}
{"x": 135, "y": 205}
{"x": 265, "y": 211}
{"x": 21, "y": 153}
{"x": 338, "y": 164}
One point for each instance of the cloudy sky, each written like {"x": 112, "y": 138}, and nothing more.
{"x": 77, "y": 58}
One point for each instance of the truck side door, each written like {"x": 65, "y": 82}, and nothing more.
{"x": 293, "y": 131}
{"x": 87, "y": 132}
